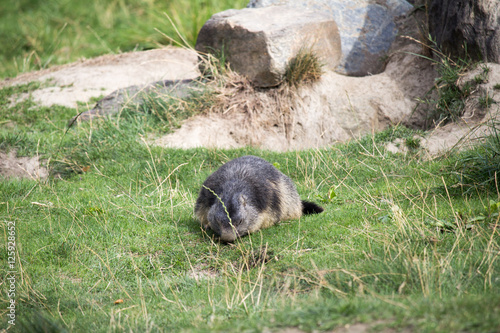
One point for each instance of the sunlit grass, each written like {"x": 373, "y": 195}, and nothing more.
{"x": 38, "y": 34}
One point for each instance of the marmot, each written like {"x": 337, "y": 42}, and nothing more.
{"x": 248, "y": 194}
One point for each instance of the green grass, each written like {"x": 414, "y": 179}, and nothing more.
{"x": 446, "y": 99}
{"x": 480, "y": 167}
{"x": 400, "y": 244}
{"x": 168, "y": 111}
{"x": 38, "y": 34}
{"x": 109, "y": 242}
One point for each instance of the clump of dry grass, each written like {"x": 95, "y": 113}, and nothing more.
{"x": 235, "y": 91}
{"x": 304, "y": 68}
{"x": 234, "y": 94}
{"x": 233, "y": 97}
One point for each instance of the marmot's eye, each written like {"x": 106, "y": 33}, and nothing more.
{"x": 243, "y": 200}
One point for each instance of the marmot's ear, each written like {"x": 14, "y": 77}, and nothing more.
{"x": 243, "y": 200}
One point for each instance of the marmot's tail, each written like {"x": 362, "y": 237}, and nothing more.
{"x": 310, "y": 208}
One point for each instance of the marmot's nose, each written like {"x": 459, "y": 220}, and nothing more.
{"x": 228, "y": 235}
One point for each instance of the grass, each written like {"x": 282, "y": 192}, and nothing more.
{"x": 450, "y": 101}
{"x": 168, "y": 111}
{"x": 110, "y": 243}
{"x": 447, "y": 99}
{"x": 480, "y": 167}
{"x": 304, "y": 68}
{"x": 38, "y": 34}
{"x": 485, "y": 101}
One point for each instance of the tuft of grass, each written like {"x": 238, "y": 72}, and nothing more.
{"x": 412, "y": 143}
{"x": 304, "y": 68}
{"x": 448, "y": 102}
{"x": 480, "y": 166}
{"x": 483, "y": 76}
{"x": 170, "y": 110}
{"x": 485, "y": 101}
{"x": 202, "y": 95}
{"x": 214, "y": 65}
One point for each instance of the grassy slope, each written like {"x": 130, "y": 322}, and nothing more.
{"x": 119, "y": 225}
{"x": 37, "y": 34}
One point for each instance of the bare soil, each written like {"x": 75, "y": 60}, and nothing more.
{"x": 12, "y": 166}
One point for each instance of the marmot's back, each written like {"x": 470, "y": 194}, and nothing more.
{"x": 245, "y": 195}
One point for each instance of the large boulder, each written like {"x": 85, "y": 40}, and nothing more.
{"x": 475, "y": 23}
{"x": 367, "y": 29}
{"x": 259, "y": 43}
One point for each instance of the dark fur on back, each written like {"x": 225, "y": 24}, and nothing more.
{"x": 250, "y": 194}
{"x": 236, "y": 176}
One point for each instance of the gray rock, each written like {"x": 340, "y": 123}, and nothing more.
{"x": 367, "y": 29}
{"x": 474, "y": 22}
{"x": 258, "y": 43}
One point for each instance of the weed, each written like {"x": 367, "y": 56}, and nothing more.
{"x": 412, "y": 143}
{"x": 483, "y": 76}
{"x": 304, "y": 68}
{"x": 170, "y": 110}
{"x": 449, "y": 102}
{"x": 214, "y": 65}
{"x": 329, "y": 198}
{"x": 480, "y": 166}
{"x": 485, "y": 101}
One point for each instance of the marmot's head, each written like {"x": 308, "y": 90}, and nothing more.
{"x": 232, "y": 217}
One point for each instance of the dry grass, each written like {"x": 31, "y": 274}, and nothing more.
{"x": 235, "y": 95}
{"x": 304, "y": 68}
